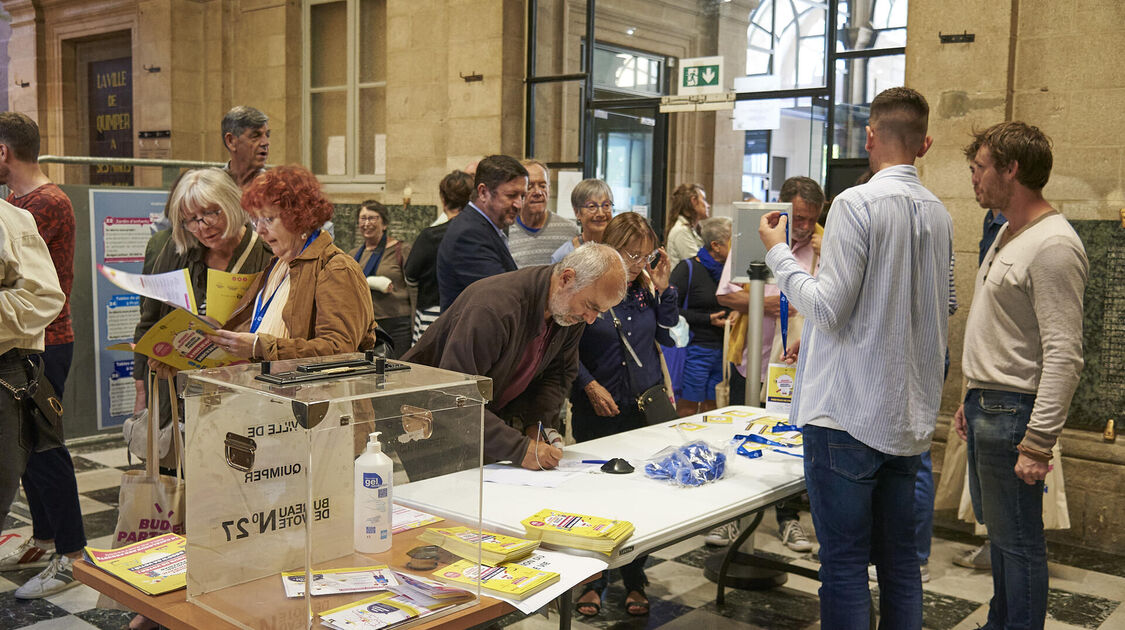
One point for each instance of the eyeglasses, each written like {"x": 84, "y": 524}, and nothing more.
{"x": 368, "y": 220}
{"x": 633, "y": 259}
{"x": 208, "y": 218}
{"x": 604, "y": 207}
{"x": 262, "y": 222}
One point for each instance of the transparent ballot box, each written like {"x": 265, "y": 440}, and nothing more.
{"x": 270, "y": 471}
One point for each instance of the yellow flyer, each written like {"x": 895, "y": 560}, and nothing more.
{"x": 155, "y": 565}
{"x": 224, "y": 290}
{"x": 717, "y": 419}
{"x": 178, "y": 340}
{"x": 780, "y": 387}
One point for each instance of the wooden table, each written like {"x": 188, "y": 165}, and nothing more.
{"x": 266, "y": 602}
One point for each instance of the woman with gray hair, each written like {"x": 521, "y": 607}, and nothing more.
{"x": 209, "y": 231}
{"x": 696, "y": 279}
{"x": 592, "y": 201}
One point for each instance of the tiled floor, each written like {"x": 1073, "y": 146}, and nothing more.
{"x": 1086, "y": 588}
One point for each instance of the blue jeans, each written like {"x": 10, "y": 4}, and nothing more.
{"x": 1012, "y": 509}
{"x": 924, "y": 507}
{"x": 863, "y": 509}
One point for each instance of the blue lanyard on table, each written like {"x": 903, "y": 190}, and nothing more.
{"x": 260, "y": 308}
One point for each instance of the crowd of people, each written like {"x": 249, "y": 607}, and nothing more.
{"x": 572, "y": 320}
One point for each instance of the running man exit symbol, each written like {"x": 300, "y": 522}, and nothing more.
{"x": 701, "y": 75}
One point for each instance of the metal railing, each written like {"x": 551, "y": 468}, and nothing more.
{"x": 170, "y": 168}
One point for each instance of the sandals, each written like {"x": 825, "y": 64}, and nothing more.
{"x": 637, "y": 607}
{"x": 588, "y": 609}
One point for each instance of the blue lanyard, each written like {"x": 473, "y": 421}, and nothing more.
{"x": 784, "y": 301}
{"x": 260, "y": 308}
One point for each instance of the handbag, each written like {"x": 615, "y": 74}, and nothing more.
{"x": 655, "y": 402}
{"x": 41, "y": 421}
{"x": 151, "y": 504}
{"x": 675, "y": 357}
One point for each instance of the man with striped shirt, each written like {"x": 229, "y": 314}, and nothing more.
{"x": 869, "y": 382}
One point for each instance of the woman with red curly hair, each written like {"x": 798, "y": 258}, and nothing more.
{"x": 312, "y": 300}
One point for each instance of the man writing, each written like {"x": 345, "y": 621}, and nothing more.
{"x": 1022, "y": 359}
{"x": 869, "y": 382}
{"x": 538, "y": 232}
{"x": 521, "y": 329}
{"x": 475, "y": 246}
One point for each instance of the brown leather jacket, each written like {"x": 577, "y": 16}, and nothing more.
{"x": 329, "y": 308}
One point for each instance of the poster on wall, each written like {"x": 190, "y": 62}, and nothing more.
{"x": 121, "y": 222}
{"x": 111, "y": 119}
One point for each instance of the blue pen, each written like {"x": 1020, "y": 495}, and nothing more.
{"x": 595, "y": 461}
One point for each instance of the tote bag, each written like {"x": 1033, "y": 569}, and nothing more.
{"x": 674, "y": 356}
{"x": 151, "y": 504}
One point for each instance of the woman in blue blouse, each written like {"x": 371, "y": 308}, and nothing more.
{"x": 611, "y": 374}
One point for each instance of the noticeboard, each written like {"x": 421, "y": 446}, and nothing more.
{"x": 121, "y": 222}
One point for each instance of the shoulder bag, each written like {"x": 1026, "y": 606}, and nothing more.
{"x": 655, "y": 402}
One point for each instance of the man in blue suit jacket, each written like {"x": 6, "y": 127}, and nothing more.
{"x": 475, "y": 246}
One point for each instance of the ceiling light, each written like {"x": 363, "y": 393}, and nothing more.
{"x": 629, "y": 31}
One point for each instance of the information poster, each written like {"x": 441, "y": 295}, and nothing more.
{"x": 121, "y": 222}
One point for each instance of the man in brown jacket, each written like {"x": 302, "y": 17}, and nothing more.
{"x": 521, "y": 330}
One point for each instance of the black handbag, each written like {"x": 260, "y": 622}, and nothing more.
{"x": 654, "y": 402}
{"x": 41, "y": 418}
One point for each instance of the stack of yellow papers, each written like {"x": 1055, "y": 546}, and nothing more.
{"x": 579, "y": 531}
{"x": 507, "y": 580}
{"x": 154, "y": 565}
{"x": 494, "y": 548}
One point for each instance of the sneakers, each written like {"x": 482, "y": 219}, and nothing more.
{"x": 793, "y": 535}
{"x": 57, "y": 577}
{"x": 979, "y": 559}
{"x": 26, "y": 555}
{"x": 923, "y": 570}
{"x": 722, "y": 535}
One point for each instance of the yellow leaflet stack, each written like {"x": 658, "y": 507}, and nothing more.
{"x": 579, "y": 531}
{"x": 494, "y": 548}
{"x": 507, "y": 580}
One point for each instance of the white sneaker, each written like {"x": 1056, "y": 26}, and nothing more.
{"x": 794, "y": 537}
{"x": 24, "y": 555}
{"x": 57, "y": 577}
{"x": 722, "y": 535}
{"x": 979, "y": 559}
{"x": 923, "y": 570}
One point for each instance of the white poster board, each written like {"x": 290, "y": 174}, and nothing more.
{"x": 745, "y": 245}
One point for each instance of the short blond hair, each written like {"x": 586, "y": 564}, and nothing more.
{"x": 199, "y": 189}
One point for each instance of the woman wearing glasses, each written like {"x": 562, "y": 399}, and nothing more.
{"x": 618, "y": 361}
{"x": 312, "y": 299}
{"x": 381, "y": 258}
{"x": 209, "y": 231}
{"x": 592, "y": 201}
{"x": 681, "y": 235}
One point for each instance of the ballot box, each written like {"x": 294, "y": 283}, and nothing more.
{"x": 271, "y": 485}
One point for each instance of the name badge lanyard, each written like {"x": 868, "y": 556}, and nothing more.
{"x": 783, "y": 303}
{"x": 260, "y": 308}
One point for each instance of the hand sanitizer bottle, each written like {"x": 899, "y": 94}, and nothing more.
{"x": 373, "y": 470}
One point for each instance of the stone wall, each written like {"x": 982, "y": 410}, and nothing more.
{"x": 1032, "y": 60}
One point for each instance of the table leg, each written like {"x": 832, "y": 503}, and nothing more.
{"x": 729, "y": 555}
{"x": 566, "y": 606}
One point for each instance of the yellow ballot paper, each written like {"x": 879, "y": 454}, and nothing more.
{"x": 154, "y": 565}
{"x": 780, "y": 387}
{"x": 224, "y": 290}
{"x": 178, "y": 340}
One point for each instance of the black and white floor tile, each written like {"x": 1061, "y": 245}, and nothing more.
{"x": 1087, "y": 588}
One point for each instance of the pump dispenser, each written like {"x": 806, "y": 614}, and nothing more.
{"x": 373, "y": 474}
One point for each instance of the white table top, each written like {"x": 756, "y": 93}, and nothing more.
{"x": 661, "y": 512}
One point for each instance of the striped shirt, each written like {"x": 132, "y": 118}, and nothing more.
{"x": 872, "y": 360}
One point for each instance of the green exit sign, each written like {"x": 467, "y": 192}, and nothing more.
{"x": 701, "y": 75}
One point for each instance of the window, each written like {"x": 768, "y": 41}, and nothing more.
{"x": 786, "y": 41}
{"x": 344, "y": 78}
